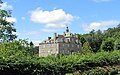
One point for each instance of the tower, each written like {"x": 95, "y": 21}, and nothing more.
{"x": 67, "y": 29}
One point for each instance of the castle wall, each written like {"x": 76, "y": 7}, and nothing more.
{"x": 48, "y": 49}
{"x": 61, "y": 44}
{"x": 68, "y": 48}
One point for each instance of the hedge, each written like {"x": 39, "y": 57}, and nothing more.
{"x": 18, "y": 63}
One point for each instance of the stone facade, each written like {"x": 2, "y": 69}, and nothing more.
{"x": 60, "y": 44}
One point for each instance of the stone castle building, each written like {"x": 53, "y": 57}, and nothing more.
{"x": 60, "y": 44}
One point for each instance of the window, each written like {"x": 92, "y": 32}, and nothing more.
{"x": 72, "y": 39}
{"x": 43, "y": 46}
{"x": 68, "y": 45}
{"x": 49, "y": 51}
{"x": 72, "y": 51}
{"x": 63, "y": 45}
{"x": 56, "y": 51}
{"x": 68, "y": 40}
{"x": 72, "y": 45}
{"x": 78, "y": 46}
{"x": 68, "y": 51}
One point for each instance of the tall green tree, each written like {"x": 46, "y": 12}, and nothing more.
{"x": 6, "y": 28}
{"x": 94, "y": 39}
{"x": 108, "y": 44}
{"x": 82, "y": 39}
{"x": 117, "y": 44}
{"x": 86, "y": 48}
{"x": 31, "y": 44}
{"x": 98, "y": 38}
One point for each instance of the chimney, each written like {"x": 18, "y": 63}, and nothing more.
{"x": 55, "y": 35}
{"x": 49, "y": 38}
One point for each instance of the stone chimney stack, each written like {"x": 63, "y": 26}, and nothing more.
{"x": 55, "y": 35}
{"x": 49, "y": 38}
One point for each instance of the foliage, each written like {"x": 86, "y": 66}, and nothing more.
{"x": 94, "y": 39}
{"x": 105, "y": 70}
{"x": 86, "y": 48}
{"x": 112, "y": 32}
{"x": 16, "y": 45}
{"x": 108, "y": 44}
{"x": 17, "y": 57}
{"x": 117, "y": 44}
{"x": 6, "y": 28}
{"x": 20, "y": 63}
{"x": 82, "y": 39}
{"x": 31, "y": 43}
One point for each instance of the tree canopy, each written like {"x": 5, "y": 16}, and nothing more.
{"x": 6, "y": 28}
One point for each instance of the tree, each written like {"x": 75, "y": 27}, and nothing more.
{"x": 98, "y": 38}
{"x": 108, "y": 44}
{"x": 92, "y": 32}
{"x": 33, "y": 49}
{"x": 94, "y": 39}
{"x": 6, "y": 28}
{"x": 117, "y": 44}
{"x": 86, "y": 48}
{"x": 31, "y": 44}
{"x": 82, "y": 39}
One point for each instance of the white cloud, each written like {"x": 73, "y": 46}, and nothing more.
{"x": 57, "y": 18}
{"x": 55, "y": 25}
{"x": 33, "y": 33}
{"x": 101, "y": 1}
{"x": 49, "y": 30}
{"x": 23, "y": 18}
{"x": 100, "y": 25}
{"x": 11, "y": 19}
{"x": 5, "y": 5}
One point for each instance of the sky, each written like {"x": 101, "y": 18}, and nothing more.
{"x": 36, "y": 20}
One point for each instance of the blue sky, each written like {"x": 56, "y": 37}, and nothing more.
{"x": 38, "y": 19}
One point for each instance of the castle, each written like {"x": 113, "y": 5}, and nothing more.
{"x": 60, "y": 44}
